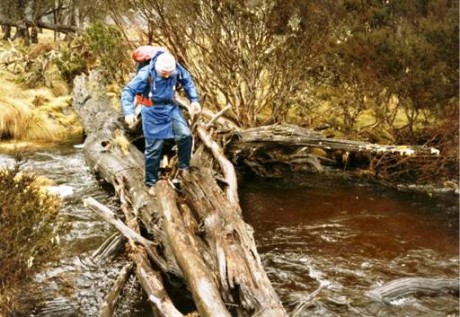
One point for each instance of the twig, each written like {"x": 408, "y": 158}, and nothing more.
{"x": 109, "y": 216}
{"x": 305, "y": 301}
{"x": 108, "y": 307}
{"x": 217, "y": 116}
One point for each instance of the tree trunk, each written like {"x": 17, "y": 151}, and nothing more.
{"x": 24, "y": 24}
{"x": 197, "y": 235}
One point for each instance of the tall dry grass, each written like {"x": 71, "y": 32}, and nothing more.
{"x": 30, "y": 111}
{"x": 38, "y": 116}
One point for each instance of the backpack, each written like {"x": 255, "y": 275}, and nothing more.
{"x": 143, "y": 54}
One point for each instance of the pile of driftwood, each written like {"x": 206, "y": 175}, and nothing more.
{"x": 197, "y": 235}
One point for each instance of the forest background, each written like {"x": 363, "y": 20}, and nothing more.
{"x": 372, "y": 70}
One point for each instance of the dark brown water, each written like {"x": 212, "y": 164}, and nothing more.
{"x": 330, "y": 238}
{"x": 344, "y": 239}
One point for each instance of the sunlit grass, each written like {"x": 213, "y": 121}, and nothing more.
{"x": 42, "y": 114}
{"x": 36, "y": 115}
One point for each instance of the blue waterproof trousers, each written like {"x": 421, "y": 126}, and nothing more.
{"x": 154, "y": 148}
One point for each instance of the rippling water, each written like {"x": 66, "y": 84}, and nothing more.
{"x": 324, "y": 244}
{"x": 75, "y": 285}
{"x": 337, "y": 240}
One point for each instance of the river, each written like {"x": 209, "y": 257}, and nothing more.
{"x": 324, "y": 243}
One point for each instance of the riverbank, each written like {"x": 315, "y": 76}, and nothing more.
{"x": 36, "y": 102}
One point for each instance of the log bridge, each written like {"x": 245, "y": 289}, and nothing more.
{"x": 196, "y": 238}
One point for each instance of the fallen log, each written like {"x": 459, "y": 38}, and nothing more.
{"x": 273, "y": 151}
{"x": 201, "y": 279}
{"x": 230, "y": 267}
{"x": 413, "y": 285}
{"x": 108, "y": 307}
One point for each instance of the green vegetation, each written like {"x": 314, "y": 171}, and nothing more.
{"x": 29, "y": 233}
{"x": 70, "y": 64}
{"x": 106, "y": 43}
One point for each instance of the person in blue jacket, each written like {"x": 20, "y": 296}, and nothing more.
{"x": 162, "y": 118}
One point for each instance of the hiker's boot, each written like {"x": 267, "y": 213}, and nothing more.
{"x": 152, "y": 190}
{"x": 184, "y": 173}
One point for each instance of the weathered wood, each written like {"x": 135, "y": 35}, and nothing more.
{"x": 108, "y": 307}
{"x": 199, "y": 278}
{"x": 149, "y": 279}
{"x": 153, "y": 285}
{"x": 240, "y": 281}
{"x": 226, "y": 167}
{"x": 266, "y": 150}
{"x": 413, "y": 285}
{"x": 292, "y": 135}
{"x": 108, "y": 215}
{"x": 241, "y": 274}
{"x": 108, "y": 250}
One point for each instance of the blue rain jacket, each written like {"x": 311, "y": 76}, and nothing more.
{"x": 157, "y": 119}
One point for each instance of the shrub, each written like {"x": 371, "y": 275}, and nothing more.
{"x": 28, "y": 230}
{"x": 70, "y": 65}
{"x": 107, "y": 44}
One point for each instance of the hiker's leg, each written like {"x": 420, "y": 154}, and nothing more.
{"x": 183, "y": 139}
{"x": 152, "y": 155}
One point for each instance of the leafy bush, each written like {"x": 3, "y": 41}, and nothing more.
{"x": 106, "y": 43}
{"x": 70, "y": 64}
{"x": 28, "y": 229}
{"x": 99, "y": 46}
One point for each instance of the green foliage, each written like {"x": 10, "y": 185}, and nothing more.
{"x": 27, "y": 224}
{"x": 107, "y": 44}
{"x": 70, "y": 64}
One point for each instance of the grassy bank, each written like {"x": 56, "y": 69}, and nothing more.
{"x": 35, "y": 100}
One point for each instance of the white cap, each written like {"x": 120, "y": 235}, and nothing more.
{"x": 165, "y": 63}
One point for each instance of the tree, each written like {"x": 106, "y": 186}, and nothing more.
{"x": 62, "y": 16}
{"x": 410, "y": 50}
{"x": 232, "y": 50}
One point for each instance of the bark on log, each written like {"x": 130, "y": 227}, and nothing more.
{"x": 413, "y": 285}
{"x": 240, "y": 282}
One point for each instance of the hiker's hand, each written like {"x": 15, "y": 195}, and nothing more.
{"x": 129, "y": 119}
{"x": 195, "y": 109}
